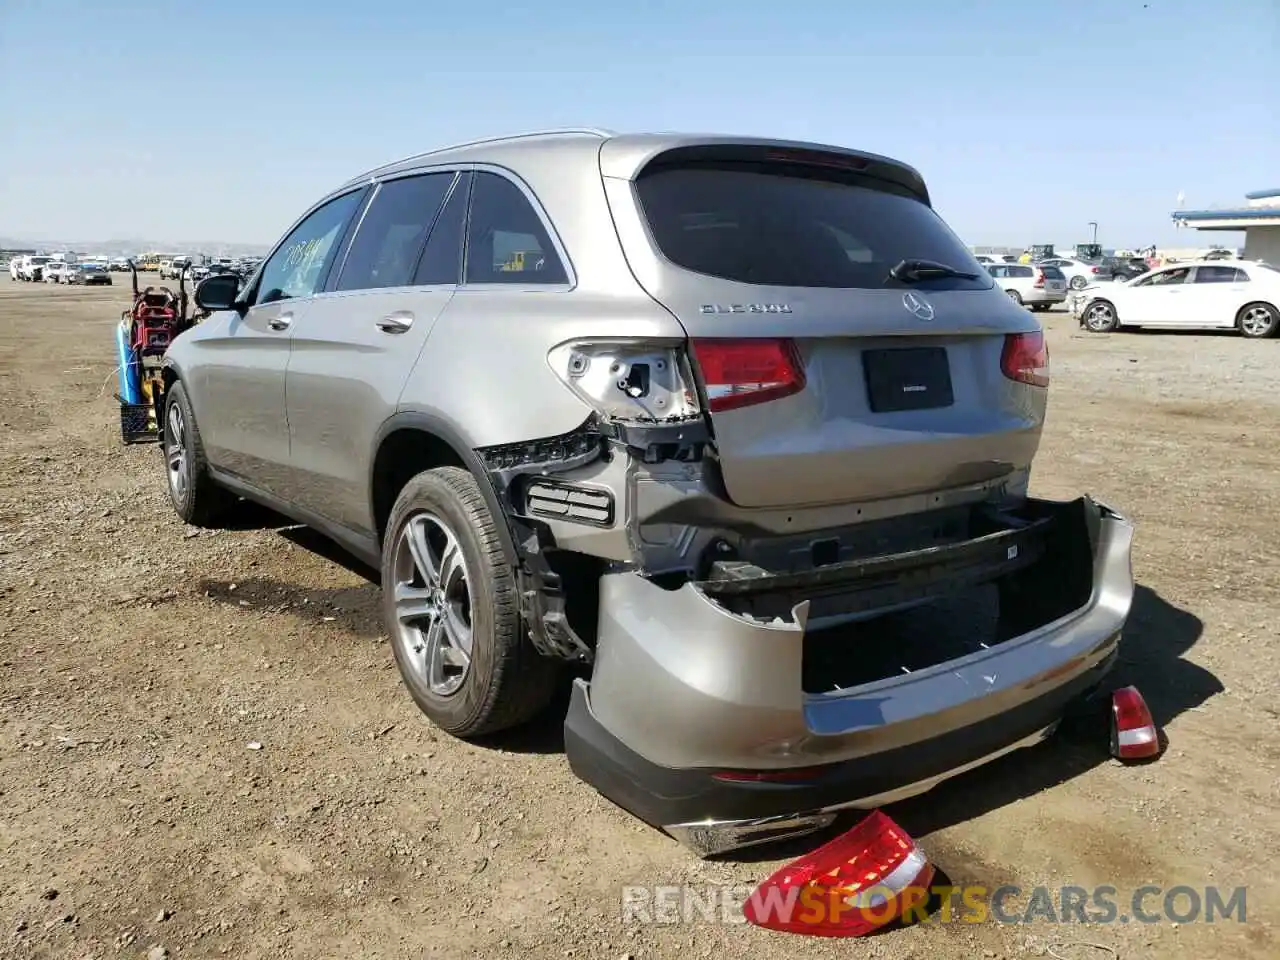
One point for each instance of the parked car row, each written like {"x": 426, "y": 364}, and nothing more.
{"x": 29, "y": 268}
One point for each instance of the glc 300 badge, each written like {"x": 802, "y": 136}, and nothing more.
{"x": 746, "y": 308}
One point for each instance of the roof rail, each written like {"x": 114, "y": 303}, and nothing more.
{"x": 600, "y": 132}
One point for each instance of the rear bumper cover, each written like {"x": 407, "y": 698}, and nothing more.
{"x": 682, "y": 688}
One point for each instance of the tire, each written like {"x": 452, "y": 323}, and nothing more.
{"x": 1039, "y": 307}
{"x": 501, "y": 681}
{"x": 1014, "y": 296}
{"x": 1258, "y": 321}
{"x": 1078, "y": 282}
{"x": 195, "y": 495}
{"x": 1100, "y": 317}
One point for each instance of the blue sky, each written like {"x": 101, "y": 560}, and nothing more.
{"x": 223, "y": 120}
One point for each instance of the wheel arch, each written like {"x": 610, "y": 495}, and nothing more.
{"x": 410, "y": 442}
{"x": 1273, "y": 307}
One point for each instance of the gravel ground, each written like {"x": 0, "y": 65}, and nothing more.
{"x": 205, "y": 749}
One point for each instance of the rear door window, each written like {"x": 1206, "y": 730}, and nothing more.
{"x": 1219, "y": 275}
{"x": 1023, "y": 272}
{"x": 393, "y": 232}
{"x": 782, "y": 226}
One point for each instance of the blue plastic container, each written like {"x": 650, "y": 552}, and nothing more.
{"x": 130, "y": 380}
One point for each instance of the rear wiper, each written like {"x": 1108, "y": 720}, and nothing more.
{"x": 912, "y": 271}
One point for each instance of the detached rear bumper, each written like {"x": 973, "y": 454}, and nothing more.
{"x": 684, "y": 689}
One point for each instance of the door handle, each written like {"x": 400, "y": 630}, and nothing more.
{"x": 397, "y": 322}
{"x": 281, "y": 322}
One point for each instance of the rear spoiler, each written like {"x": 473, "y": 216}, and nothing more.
{"x": 628, "y": 157}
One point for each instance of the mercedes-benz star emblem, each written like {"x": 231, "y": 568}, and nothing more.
{"x": 918, "y": 305}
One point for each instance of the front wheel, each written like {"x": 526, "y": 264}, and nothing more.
{"x": 195, "y": 495}
{"x": 1257, "y": 321}
{"x": 1100, "y": 317}
{"x": 452, "y": 609}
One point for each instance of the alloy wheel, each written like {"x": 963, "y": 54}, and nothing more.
{"x": 175, "y": 452}
{"x": 432, "y": 591}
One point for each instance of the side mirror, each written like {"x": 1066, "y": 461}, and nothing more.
{"x": 218, "y": 292}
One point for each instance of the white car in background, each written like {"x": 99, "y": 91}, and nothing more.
{"x": 1239, "y": 295}
{"x": 1038, "y": 286}
{"x": 1079, "y": 273}
{"x": 58, "y": 271}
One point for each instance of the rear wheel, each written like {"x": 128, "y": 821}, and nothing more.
{"x": 1015, "y": 296}
{"x": 451, "y": 606}
{"x": 1078, "y": 282}
{"x": 1258, "y": 321}
{"x": 1100, "y": 317}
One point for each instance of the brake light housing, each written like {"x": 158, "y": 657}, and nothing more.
{"x": 742, "y": 373}
{"x": 1025, "y": 358}
{"x": 1133, "y": 731}
{"x": 1039, "y": 278}
{"x": 849, "y": 887}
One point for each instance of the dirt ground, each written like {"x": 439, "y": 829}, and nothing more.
{"x": 205, "y": 748}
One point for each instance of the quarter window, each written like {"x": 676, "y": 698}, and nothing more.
{"x": 299, "y": 265}
{"x": 506, "y": 241}
{"x": 393, "y": 232}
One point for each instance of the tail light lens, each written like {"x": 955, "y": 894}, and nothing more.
{"x": 1133, "y": 731}
{"x": 849, "y": 887}
{"x": 1095, "y": 269}
{"x": 740, "y": 373}
{"x": 1025, "y": 358}
{"x": 1039, "y": 278}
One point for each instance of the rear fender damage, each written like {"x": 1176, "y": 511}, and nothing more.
{"x": 636, "y": 488}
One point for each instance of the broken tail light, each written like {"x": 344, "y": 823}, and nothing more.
{"x": 853, "y": 885}
{"x": 1133, "y": 731}
{"x": 740, "y": 373}
{"x": 1025, "y": 358}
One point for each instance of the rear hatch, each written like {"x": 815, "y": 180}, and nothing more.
{"x": 828, "y": 380}
{"x": 1055, "y": 281}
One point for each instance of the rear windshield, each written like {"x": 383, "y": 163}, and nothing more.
{"x": 1053, "y": 273}
{"x": 777, "y": 226}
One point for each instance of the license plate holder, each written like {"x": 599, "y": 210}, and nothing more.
{"x": 907, "y": 378}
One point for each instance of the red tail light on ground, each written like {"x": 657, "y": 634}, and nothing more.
{"x": 1133, "y": 731}
{"x": 740, "y": 373}
{"x": 1025, "y": 358}
{"x": 849, "y": 887}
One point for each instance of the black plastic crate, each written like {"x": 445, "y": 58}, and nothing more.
{"x": 135, "y": 426}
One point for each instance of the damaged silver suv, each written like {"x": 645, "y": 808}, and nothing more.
{"x": 736, "y": 426}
